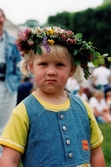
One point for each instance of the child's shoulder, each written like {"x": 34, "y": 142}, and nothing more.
{"x": 28, "y": 98}
{"x": 81, "y": 103}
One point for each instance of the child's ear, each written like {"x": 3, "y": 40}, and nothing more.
{"x": 73, "y": 69}
{"x": 31, "y": 68}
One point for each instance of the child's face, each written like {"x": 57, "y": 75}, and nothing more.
{"x": 51, "y": 75}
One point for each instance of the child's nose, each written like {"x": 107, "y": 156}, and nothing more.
{"x": 51, "y": 71}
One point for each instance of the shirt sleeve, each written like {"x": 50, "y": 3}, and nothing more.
{"x": 16, "y": 130}
{"x": 96, "y": 137}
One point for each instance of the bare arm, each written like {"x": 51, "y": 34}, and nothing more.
{"x": 10, "y": 158}
{"x": 97, "y": 157}
{"x": 93, "y": 80}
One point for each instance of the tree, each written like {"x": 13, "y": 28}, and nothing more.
{"x": 61, "y": 19}
{"x": 106, "y": 1}
{"x": 31, "y": 23}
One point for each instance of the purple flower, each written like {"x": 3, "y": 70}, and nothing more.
{"x": 47, "y": 49}
{"x": 44, "y": 42}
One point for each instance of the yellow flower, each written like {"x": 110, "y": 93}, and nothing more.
{"x": 47, "y": 32}
{"x": 50, "y": 41}
{"x": 50, "y": 32}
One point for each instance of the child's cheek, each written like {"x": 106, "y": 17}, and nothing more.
{"x": 38, "y": 76}
{"x": 64, "y": 78}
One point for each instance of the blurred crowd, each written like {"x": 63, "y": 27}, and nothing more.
{"x": 96, "y": 91}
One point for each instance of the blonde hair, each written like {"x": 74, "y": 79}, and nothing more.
{"x": 98, "y": 93}
{"x": 58, "y": 52}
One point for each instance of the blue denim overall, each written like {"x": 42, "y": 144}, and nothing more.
{"x": 57, "y": 139}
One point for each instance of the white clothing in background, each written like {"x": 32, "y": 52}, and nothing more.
{"x": 93, "y": 102}
{"x": 72, "y": 85}
{"x": 6, "y": 106}
{"x": 83, "y": 96}
{"x": 102, "y": 74}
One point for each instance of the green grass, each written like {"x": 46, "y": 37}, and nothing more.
{"x": 106, "y": 145}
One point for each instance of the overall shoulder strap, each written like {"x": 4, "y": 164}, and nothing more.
{"x": 75, "y": 100}
{"x": 33, "y": 107}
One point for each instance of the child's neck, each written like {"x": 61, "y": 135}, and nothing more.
{"x": 52, "y": 98}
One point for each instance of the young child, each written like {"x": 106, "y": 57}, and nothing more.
{"x": 51, "y": 127}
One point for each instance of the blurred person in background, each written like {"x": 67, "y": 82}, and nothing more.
{"x": 87, "y": 87}
{"x": 81, "y": 93}
{"x": 25, "y": 88}
{"x": 72, "y": 85}
{"x": 10, "y": 75}
{"x": 101, "y": 77}
{"x": 100, "y": 108}
{"x": 107, "y": 93}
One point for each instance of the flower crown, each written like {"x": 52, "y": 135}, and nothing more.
{"x": 83, "y": 52}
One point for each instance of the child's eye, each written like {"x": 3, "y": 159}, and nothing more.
{"x": 43, "y": 64}
{"x": 60, "y": 64}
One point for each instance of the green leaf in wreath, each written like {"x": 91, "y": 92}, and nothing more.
{"x": 101, "y": 60}
{"x": 109, "y": 59}
{"x": 39, "y": 50}
{"x": 75, "y": 52}
{"x": 96, "y": 62}
{"x": 97, "y": 55}
{"x": 77, "y": 62}
{"x": 35, "y": 49}
{"x": 79, "y": 35}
